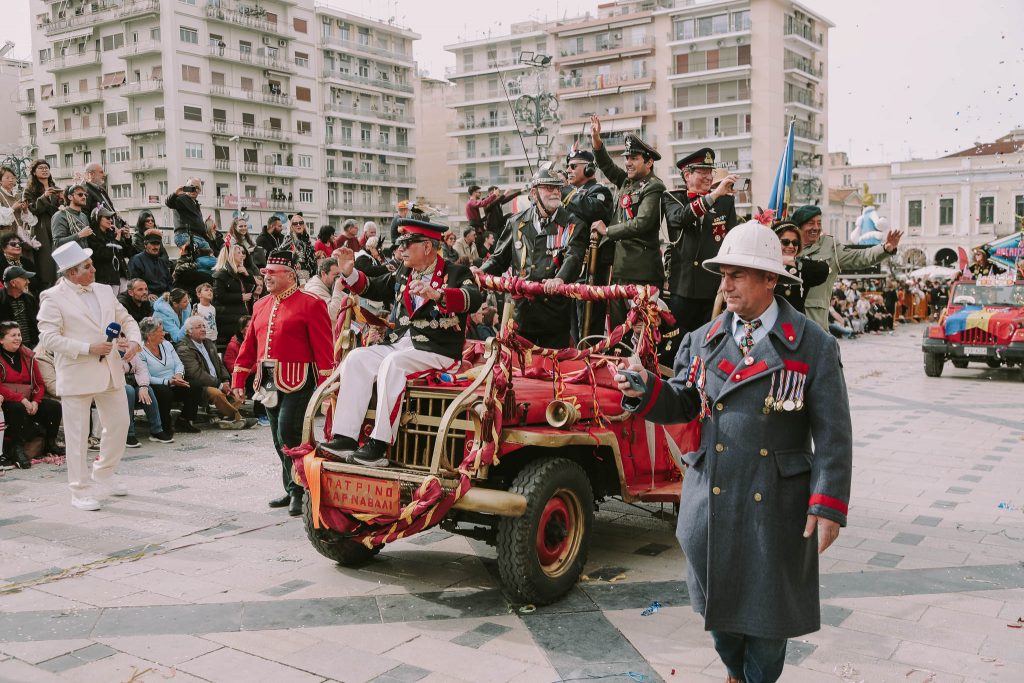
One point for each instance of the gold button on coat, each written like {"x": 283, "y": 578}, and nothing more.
{"x": 719, "y": 447}
{"x": 720, "y": 406}
{"x": 764, "y": 452}
{"x": 757, "y": 497}
{"x": 716, "y": 490}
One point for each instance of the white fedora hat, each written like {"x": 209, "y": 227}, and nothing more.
{"x": 751, "y": 245}
{"x": 70, "y": 255}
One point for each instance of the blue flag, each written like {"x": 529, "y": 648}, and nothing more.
{"x": 779, "y": 199}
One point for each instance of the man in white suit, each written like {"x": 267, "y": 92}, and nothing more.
{"x": 73, "y": 319}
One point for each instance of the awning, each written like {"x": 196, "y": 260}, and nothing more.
{"x": 46, "y": 91}
{"x": 81, "y": 33}
{"x": 631, "y": 124}
{"x": 113, "y": 80}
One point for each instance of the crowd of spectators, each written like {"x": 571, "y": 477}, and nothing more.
{"x": 877, "y": 305}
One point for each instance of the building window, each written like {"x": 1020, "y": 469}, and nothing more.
{"x": 300, "y": 25}
{"x": 188, "y": 2}
{"x": 987, "y": 210}
{"x": 914, "y": 213}
{"x": 306, "y": 196}
{"x": 193, "y": 150}
{"x": 190, "y": 73}
{"x": 946, "y": 211}
{"x": 304, "y": 127}
{"x": 301, "y": 59}
{"x": 881, "y": 198}
{"x": 305, "y": 161}
{"x": 116, "y": 118}
{"x": 121, "y": 191}
{"x": 193, "y": 113}
{"x": 118, "y": 154}
{"x": 113, "y": 42}
{"x": 303, "y": 94}
{"x": 188, "y": 35}
{"x": 158, "y": 113}
{"x": 1018, "y": 209}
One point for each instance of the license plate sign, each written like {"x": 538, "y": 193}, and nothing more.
{"x": 360, "y": 494}
{"x": 975, "y": 351}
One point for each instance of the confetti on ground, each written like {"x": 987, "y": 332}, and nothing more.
{"x": 654, "y": 607}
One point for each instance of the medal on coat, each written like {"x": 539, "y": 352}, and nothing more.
{"x": 696, "y": 377}
{"x": 718, "y": 229}
{"x": 627, "y": 205}
{"x": 787, "y": 391}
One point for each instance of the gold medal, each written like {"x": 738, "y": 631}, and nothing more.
{"x": 788, "y": 405}
{"x": 799, "y": 405}
{"x": 768, "y": 401}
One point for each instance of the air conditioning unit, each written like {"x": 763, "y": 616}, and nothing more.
{"x": 243, "y": 178}
{"x": 286, "y": 181}
{"x": 326, "y": 20}
{"x": 342, "y": 24}
{"x": 75, "y": 111}
{"x": 330, "y": 119}
{"x": 266, "y": 40}
{"x": 283, "y": 145}
{"x": 281, "y": 42}
{"x": 270, "y": 180}
{"x": 86, "y": 109}
{"x": 78, "y": 148}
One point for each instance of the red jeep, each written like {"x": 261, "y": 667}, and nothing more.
{"x": 983, "y": 323}
{"x": 519, "y": 453}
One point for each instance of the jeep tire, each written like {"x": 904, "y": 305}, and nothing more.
{"x": 541, "y": 554}
{"x": 331, "y": 544}
{"x": 933, "y": 363}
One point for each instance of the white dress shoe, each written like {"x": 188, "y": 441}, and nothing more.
{"x": 85, "y": 503}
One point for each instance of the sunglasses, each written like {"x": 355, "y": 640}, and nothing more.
{"x": 14, "y": 243}
{"x": 789, "y": 242}
{"x": 298, "y": 222}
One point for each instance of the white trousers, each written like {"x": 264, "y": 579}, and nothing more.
{"x": 390, "y": 366}
{"x": 112, "y": 406}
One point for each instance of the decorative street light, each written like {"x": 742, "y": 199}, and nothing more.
{"x": 537, "y": 114}
{"x": 18, "y": 161}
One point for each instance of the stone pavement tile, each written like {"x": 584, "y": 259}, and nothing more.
{"x": 886, "y": 560}
{"x": 855, "y": 667}
{"x": 331, "y": 659}
{"x": 517, "y": 644}
{"x": 34, "y": 600}
{"x": 944, "y": 637}
{"x": 1005, "y": 646}
{"x": 535, "y": 674}
{"x": 173, "y": 585}
{"x": 628, "y": 595}
{"x": 375, "y": 638}
{"x": 683, "y": 672}
{"x": 165, "y": 650}
{"x": 22, "y": 626}
{"x": 271, "y": 644}
{"x": 168, "y": 619}
{"x": 870, "y": 644}
{"x": 121, "y": 667}
{"x": 226, "y": 665}
{"x": 42, "y": 650}
{"x": 16, "y": 671}
{"x": 443, "y": 605}
{"x": 89, "y": 590}
{"x": 969, "y": 602}
{"x": 317, "y": 612}
{"x": 948, "y": 661}
{"x": 833, "y": 615}
{"x": 474, "y": 665}
{"x": 403, "y": 673}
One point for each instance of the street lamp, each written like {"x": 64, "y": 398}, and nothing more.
{"x": 19, "y": 161}
{"x": 238, "y": 177}
{"x": 539, "y": 110}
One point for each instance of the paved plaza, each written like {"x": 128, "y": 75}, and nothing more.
{"x": 193, "y": 578}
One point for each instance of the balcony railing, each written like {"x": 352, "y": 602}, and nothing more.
{"x": 355, "y": 46}
{"x": 801, "y": 65}
{"x": 601, "y": 81}
{"x": 694, "y": 66}
{"x": 218, "y": 12}
{"x": 364, "y": 80}
{"x": 682, "y": 100}
{"x": 71, "y": 61}
{"x": 77, "y": 97}
{"x": 397, "y": 178}
{"x": 491, "y": 65}
{"x": 254, "y": 58}
{"x": 368, "y": 145}
{"x": 485, "y": 155}
{"x": 144, "y": 127}
{"x": 481, "y": 125}
{"x": 76, "y": 134}
{"x": 252, "y": 132}
{"x": 24, "y": 106}
{"x": 722, "y": 132}
{"x": 263, "y": 203}
{"x": 142, "y": 87}
{"x": 804, "y": 131}
{"x": 606, "y": 50}
{"x": 103, "y": 14}
{"x": 804, "y": 31}
{"x": 805, "y": 98}
{"x": 264, "y": 96}
{"x": 140, "y": 48}
{"x": 484, "y": 181}
{"x": 373, "y": 112}
{"x": 145, "y": 164}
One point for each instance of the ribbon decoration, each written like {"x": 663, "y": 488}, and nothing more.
{"x": 431, "y": 502}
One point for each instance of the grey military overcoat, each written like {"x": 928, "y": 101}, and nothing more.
{"x": 757, "y": 475}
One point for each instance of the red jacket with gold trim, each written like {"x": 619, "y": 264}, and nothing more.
{"x": 293, "y": 329}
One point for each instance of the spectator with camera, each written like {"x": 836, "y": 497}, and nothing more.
{"x": 110, "y": 246}
{"x": 189, "y": 224}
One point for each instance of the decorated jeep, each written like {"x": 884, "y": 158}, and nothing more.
{"x": 983, "y": 323}
{"x": 518, "y": 448}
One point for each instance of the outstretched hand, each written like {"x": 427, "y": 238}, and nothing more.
{"x": 346, "y": 260}
{"x": 892, "y": 240}
{"x": 595, "y": 132}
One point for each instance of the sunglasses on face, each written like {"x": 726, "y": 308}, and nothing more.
{"x": 298, "y": 222}
{"x": 789, "y": 242}
{"x": 14, "y": 244}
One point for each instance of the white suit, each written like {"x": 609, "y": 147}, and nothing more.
{"x": 68, "y": 323}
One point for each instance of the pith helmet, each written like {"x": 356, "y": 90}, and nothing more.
{"x": 751, "y": 245}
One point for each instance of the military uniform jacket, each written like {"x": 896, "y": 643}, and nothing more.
{"x": 588, "y": 203}
{"x": 759, "y": 472}
{"x": 696, "y": 228}
{"x": 435, "y": 326}
{"x": 839, "y": 257}
{"x": 293, "y": 329}
{"x": 636, "y": 227}
{"x": 554, "y": 251}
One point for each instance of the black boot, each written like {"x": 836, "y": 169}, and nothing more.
{"x": 373, "y": 453}
{"x": 53, "y": 449}
{"x": 21, "y": 459}
{"x": 295, "y": 506}
{"x": 339, "y": 448}
{"x": 280, "y": 502}
{"x": 186, "y": 426}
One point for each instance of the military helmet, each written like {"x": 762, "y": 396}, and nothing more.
{"x": 547, "y": 175}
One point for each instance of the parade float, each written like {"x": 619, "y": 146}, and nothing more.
{"x": 518, "y": 448}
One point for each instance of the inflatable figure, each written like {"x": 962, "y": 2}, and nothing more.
{"x": 870, "y": 228}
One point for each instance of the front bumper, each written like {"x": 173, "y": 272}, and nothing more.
{"x": 1013, "y": 352}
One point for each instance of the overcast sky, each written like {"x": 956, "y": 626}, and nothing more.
{"x": 917, "y": 78}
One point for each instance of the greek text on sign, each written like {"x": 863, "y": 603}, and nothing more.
{"x": 360, "y": 494}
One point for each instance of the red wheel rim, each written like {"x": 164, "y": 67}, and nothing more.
{"x": 559, "y": 532}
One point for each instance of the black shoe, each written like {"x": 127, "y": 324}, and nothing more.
{"x": 295, "y": 506}
{"x": 280, "y": 502}
{"x": 186, "y": 426}
{"x": 339, "y": 448}
{"x": 373, "y": 453}
{"x": 21, "y": 459}
{"x": 162, "y": 437}
{"x": 54, "y": 449}
{"x": 132, "y": 442}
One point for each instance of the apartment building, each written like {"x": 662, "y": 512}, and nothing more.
{"x": 739, "y": 72}
{"x": 13, "y": 72}
{"x": 434, "y": 120}
{"x": 961, "y": 200}
{"x": 277, "y": 106}
{"x": 489, "y": 78}
{"x": 367, "y": 85}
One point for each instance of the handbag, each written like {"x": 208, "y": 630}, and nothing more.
{"x": 266, "y": 392}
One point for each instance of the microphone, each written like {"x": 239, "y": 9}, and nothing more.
{"x": 113, "y": 330}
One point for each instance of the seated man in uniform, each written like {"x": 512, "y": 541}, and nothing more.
{"x": 432, "y": 301}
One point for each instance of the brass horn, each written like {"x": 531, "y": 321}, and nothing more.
{"x": 561, "y": 414}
